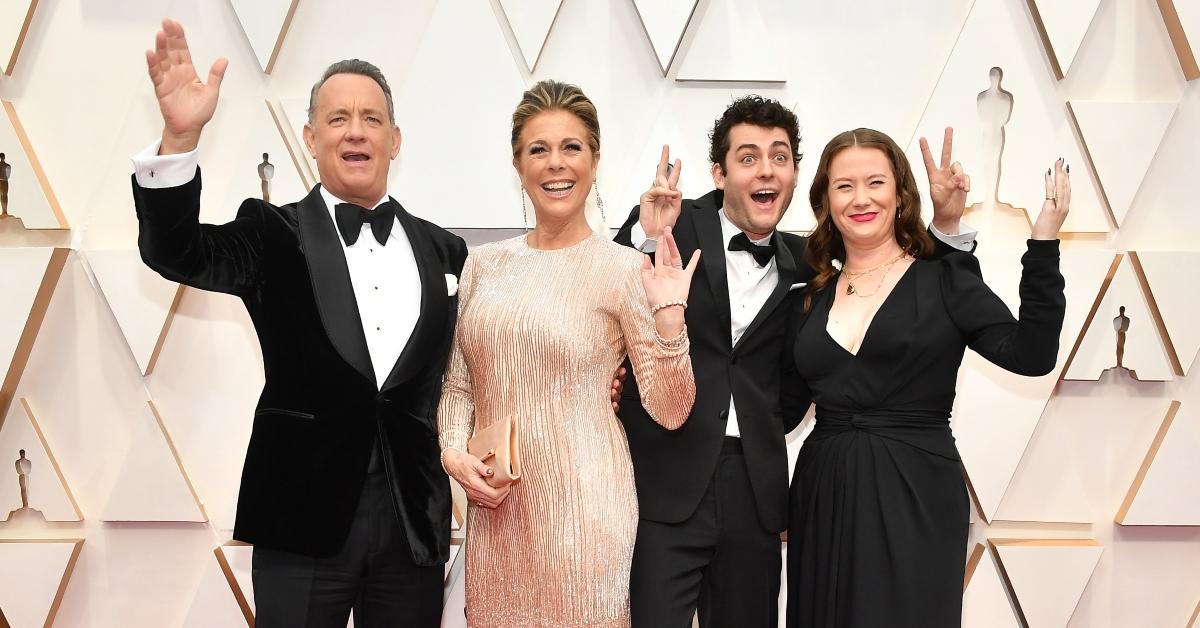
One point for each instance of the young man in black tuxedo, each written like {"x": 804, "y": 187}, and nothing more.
{"x": 353, "y": 300}
{"x": 713, "y": 495}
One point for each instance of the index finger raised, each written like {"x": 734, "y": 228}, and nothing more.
{"x": 927, "y": 156}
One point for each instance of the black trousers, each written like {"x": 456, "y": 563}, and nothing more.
{"x": 721, "y": 561}
{"x": 373, "y": 574}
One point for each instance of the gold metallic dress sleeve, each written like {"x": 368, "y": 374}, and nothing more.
{"x": 456, "y": 411}
{"x": 663, "y": 366}
{"x": 539, "y": 336}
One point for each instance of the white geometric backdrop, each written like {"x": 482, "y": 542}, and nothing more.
{"x": 132, "y": 397}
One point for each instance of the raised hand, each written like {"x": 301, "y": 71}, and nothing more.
{"x": 948, "y": 185}
{"x": 667, "y": 281}
{"x": 1057, "y": 203}
{"x": 186, "y": 104}
{"x": 662, "y": 203}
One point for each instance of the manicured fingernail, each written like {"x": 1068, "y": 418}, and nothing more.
{"x": 1068, "y": 168}
{"x": 1047, "y": 172}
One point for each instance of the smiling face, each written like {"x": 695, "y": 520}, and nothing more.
{"x": 758, "y": 179}
{"x": 352, "y": 138}
{"x": 862, "y": 196}
{"x": 556, "y": 165}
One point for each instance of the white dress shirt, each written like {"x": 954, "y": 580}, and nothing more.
{"x": 386, "y": 282}
{"x": 750, "y": 284}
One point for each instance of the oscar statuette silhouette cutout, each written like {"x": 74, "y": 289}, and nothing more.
{"x": 266, "y": 172}
{"x": 5, "y": 173}
{"x": 25, "y": 512}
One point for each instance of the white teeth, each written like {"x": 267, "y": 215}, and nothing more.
{"x": 557, "y": 187}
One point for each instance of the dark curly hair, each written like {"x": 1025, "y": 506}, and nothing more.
{"x": 756, "y": 110}
{"x": 825, "y": 242}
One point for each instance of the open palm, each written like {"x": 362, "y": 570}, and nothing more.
{"x": 186, "y": 104}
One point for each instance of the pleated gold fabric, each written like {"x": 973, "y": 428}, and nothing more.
{"x": 539, "y": 335}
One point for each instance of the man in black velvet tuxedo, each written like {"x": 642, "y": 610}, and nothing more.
{"x": 713, "y": 495}
{"x": 353, "y": 301}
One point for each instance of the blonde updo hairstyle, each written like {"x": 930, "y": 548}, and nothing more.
{"x": 550, "y": 95}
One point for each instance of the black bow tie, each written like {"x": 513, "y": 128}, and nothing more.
{"x": 762, "y": 254}
{"x": 350, "y": 219}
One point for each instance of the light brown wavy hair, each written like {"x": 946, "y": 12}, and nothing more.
{"x": 825, "y": 243}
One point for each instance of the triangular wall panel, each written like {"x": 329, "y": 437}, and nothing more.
{"x": 265, "y": 23}
{"x": 1001, "y": 33}
{"x": 293, "y": 115}
{"x": 985, "y": 598}
{"x": 29, "y": 195}
{"x": 152, "y": 484}
{"x": 23, "y": 276}
{"x": 721, "y": 49}
{"x": 461, "y": 41}
{"x": 214, "y": 602}
{"x": 996, "y": 412}
{"x": 1063, "y": 24}
{"x": 530, "y": 21}
{"x": 48, "y": 493}
{"x": 15, "y": 16}
{"x": 34, "y": 578}
{"x": 1048, "y": 576}
{"x": 1143, "y": 352}
{"x": 1121, "y": 139}
{"x": 1179, "y": 309}
{"x": 1164, "y": 490}
{"x": 140, "y": 299}
{"x": 665, "y": 22}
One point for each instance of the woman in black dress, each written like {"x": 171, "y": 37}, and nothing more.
{"x": 879, "y": 511}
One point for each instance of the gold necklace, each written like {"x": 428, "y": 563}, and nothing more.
{"x": 886, "y": 265}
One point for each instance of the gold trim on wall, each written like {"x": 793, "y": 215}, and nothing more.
{"x": 1183, "y": 50}
{"x": 36, "y": 166}
{"x": 1165, "y": 337}
{"x": 234, "y": 587}
{"x": 62, "y": 480}
{"x": 175, "y": 454}
{"x": 1138, "y": 479}
{"x": 67, "y": 572}
{"x": 33, "y": 323}
{"x": 283, "y": 30}
{"x": 301, "y": 164}
{"x": 162, "y": 333}
{"x": 12, "y": 61}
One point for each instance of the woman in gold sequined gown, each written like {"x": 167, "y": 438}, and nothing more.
{"x": 544, "y": 321}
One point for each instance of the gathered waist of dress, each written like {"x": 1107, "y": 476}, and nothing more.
{"x": 926, "y": 430}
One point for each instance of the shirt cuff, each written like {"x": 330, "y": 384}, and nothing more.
{"x": 637, "y": 235}
{"x": 156, "y": 171}
{"x": 963, "y": 241}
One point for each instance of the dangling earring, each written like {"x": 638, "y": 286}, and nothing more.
{"x": 599, "y": 201}
{"x": 898, "y": 211}
{"x": 524, "y": 211}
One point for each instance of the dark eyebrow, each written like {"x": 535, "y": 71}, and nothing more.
{"x": 781, "y": 143}
{"x": 749, "y": 146}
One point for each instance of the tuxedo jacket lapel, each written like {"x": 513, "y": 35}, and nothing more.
{"x": 434, "y": 301}
{"x": 785, "y": 265}
{"x": 712, "y": 245}
{"x": 330, "y": 277}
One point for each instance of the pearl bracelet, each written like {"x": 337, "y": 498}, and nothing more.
{"x": 665, "y": 304}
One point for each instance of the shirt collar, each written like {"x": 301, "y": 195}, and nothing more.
{"x": 332, "y": 201}
{"x": 728, "y": 230}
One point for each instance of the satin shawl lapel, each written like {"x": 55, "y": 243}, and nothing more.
{"x": 708, "y": 234}
{"x": 785, "y": 264}
{"x": 330, "y": 277}
{"x": 431, "y": 325}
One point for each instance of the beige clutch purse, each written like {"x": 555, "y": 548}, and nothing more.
{"x": 498, "y": 446}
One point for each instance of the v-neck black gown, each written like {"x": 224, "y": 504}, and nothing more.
{"x": 879, "y": 510}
